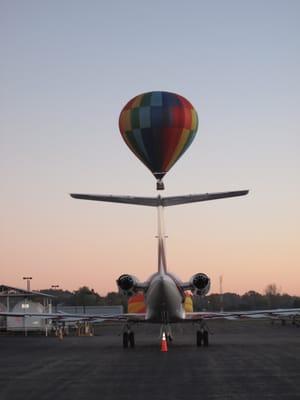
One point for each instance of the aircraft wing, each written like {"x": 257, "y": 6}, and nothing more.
{"x": 129, "y": 317}
{"x": 140, "y": 317}
{"x": 254, "y": 314}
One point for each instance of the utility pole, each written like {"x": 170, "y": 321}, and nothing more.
{"x": 28, "y": 279}
{"x": 221, "y": 294}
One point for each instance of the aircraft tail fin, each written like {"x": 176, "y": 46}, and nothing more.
{"x": 159, "y": 201}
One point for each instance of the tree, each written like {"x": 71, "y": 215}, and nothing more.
{"x": 272, "y": 295}
{"x": 271, "y": 290}
{"x": 115, "y": 299}
{"x": 254, "y": 300}
{"x": 86, "y": 297}
{"x": 60, "y": 296}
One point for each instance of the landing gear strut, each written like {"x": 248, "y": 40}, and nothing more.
{"x": 166, "y": 328}
{"x": 128, "y": 338}
{"x": 131, "y": 339}
{"x": 202, "y": 338}
{"x": 202, "y": 335}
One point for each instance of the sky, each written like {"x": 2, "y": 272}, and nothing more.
{"x": 67, "y": 68}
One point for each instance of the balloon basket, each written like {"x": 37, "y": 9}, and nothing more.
{"x": 160, "y": 185}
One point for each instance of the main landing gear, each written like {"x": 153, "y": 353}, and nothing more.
{"x": 202, "y": 335}
{"x": 128, "y": 337}
{"x": 202, "y": 338}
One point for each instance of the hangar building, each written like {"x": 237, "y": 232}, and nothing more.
{"x": 14, "y": 299}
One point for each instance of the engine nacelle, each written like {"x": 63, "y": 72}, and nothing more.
{"x": 200, "y": 284}
{"x": 127, "y": 284}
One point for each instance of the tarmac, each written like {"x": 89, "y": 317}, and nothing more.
{"x": 245, "y": 360}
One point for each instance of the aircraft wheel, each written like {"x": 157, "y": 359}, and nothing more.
{"x": 169, "y": 338}
{"x": 205, "y": 338}
{"x": 131, "y": 339}
{"x": 199, "y": 338}
{"x": 125, "y": 340}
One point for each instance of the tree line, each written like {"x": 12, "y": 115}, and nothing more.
{"x": 84, "y": 296}
{"x": 251, "y": 300}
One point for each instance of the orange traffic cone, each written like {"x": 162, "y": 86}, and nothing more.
{"x": 164, "y": 345}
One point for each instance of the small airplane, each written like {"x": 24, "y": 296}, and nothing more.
{"x": 164, "y": 293}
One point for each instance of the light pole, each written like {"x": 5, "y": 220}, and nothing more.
{"x": 55, "y": 287}
{"x": 28, "y": 279}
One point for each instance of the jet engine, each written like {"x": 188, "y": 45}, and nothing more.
{"x": 200, "y": 284}
{"x": 128, "y": 285}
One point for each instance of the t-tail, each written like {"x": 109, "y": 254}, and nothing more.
{"x": 162, "y": 261}
{"x": 160, "y": 202}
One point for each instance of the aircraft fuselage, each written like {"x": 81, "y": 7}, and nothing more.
{"x": 164, "y": 300}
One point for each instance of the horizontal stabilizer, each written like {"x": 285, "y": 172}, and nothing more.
{"x": 140, "y": 201}
{"x": 193, "y": 198}
{"x": 159, "y": 201}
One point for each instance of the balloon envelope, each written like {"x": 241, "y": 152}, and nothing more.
{"x": 158, "y": 127}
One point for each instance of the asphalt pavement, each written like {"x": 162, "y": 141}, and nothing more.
{"x": 245, "y": 360}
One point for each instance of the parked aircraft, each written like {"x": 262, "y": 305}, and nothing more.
{"x": 164, "y": 293}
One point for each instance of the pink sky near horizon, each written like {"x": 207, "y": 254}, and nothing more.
{"x": 65, "y": 76}
{"x": 91, "y": 249}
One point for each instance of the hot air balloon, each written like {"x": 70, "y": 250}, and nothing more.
{"x": 158, "y": 127}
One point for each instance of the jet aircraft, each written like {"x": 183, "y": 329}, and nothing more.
{"x": 164, "y": 293}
